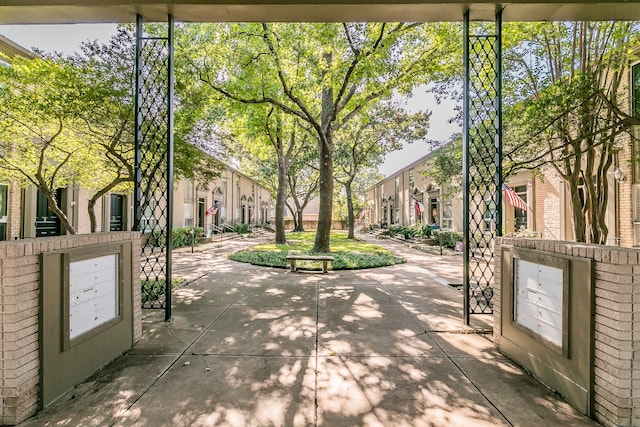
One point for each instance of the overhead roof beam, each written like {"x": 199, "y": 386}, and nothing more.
{"x": 84, "y": 11}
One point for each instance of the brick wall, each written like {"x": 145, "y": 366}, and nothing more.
{"x": 617, "y": 329}
{"x": 14, "y": 216}
{"x": 19, "y": 302}
{"x": 84, "y": 222}
{"x": 547, "y": 206}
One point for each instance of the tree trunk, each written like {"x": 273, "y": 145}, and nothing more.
{"x": 325, "y": 211}
{"x": 281, "y": 195}
{"x": 350, "y": 215}
{"x": 294, "y": 216}
{"x": 64, "y": 220}
{"x": 323, "y": 233}
{"x": 91, "y": 207}
{"x": 300, "y": 225}
{"x": 577, "y": 214}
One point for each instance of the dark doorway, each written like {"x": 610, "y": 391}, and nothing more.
{"x": 47, "y": 223}
{"x": 4, "y": 192}
{"x": 116, "y": 212}
{"x": 434, "y": 213}
{"x": 201, "y": 211}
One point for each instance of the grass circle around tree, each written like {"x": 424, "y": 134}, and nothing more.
{"x": 348, "y": 254}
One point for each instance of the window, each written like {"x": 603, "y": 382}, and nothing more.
{"x": 238, "y": 190}
{"x": 411, "y": 180}
{"x": 148, "y": 220}
{"x": 521, "y": 214}
{"x": 396, "y": 213}
{"x": 188, "y": 191}
{"x": 188, "y": 214}
{"x": 635, "y": 158}
{"x": 447, "y": 215}
{"x": 397, "y": 187}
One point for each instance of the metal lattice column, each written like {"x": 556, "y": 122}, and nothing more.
{"x": 154, "y": 163}
{"x": 482, "y": 162}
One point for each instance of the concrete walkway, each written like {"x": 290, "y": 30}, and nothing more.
{"x": 255, "y": 346}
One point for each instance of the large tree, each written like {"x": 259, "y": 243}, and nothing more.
{"x": 267, "y": 142}
{"x": 322, "y": 74}
{"x": 107, "y": 69}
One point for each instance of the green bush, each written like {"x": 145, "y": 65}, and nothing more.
{"x": 181, "y": 236}
{"x": 241, "y": 228}
{"x": 343, "y": 260}
{"x": 447, "y": 239}
{"x": 426, "y": 230}
{"x": 395, "y": 229}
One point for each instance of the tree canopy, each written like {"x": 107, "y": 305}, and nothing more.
{"x": 322, "y": 74}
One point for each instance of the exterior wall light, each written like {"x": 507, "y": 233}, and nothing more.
{"x": 618, "y": 175}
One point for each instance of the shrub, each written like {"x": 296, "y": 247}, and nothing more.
{"x": 447, "y": 239}
{"x": 395, "y": 229}
{"x": 241, "y": 228}
{"x": 343, "y": 260}
{"x": 181, "y": 236}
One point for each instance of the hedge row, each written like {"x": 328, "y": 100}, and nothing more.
{"x": 446, "y": 239}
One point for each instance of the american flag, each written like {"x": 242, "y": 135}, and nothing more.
{"x": 513, "y": 199}
{"x": 419, "y": 205}
{"x": 213, "y": 209}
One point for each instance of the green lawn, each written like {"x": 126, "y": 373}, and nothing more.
{"x": 348, "y": 254}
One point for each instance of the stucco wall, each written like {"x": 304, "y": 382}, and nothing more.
{"x": 19, "y": 302}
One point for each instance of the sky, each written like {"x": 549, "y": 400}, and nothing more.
{"x": 67, "y": 39}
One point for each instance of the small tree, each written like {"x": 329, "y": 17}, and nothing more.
{"x": 41, "y": 103}
{"x": 570, "y": 117}
{"x": 365, "y": 141}
{"x": 303, "y": 186}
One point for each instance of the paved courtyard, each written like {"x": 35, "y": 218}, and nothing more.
{"x": 255, "y": 346}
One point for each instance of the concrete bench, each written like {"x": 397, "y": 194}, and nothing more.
{"x": 326, "y": 259}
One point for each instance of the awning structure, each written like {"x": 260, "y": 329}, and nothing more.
{"x": 79, "y": 11}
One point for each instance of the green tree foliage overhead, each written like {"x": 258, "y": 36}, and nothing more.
{"x": 322, "y": 74}
{"x": 445, "y": 167}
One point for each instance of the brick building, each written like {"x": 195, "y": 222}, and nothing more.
{"x": 393, "y": 199}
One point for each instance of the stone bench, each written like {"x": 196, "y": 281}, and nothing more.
{"x": 326, "y": 259}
